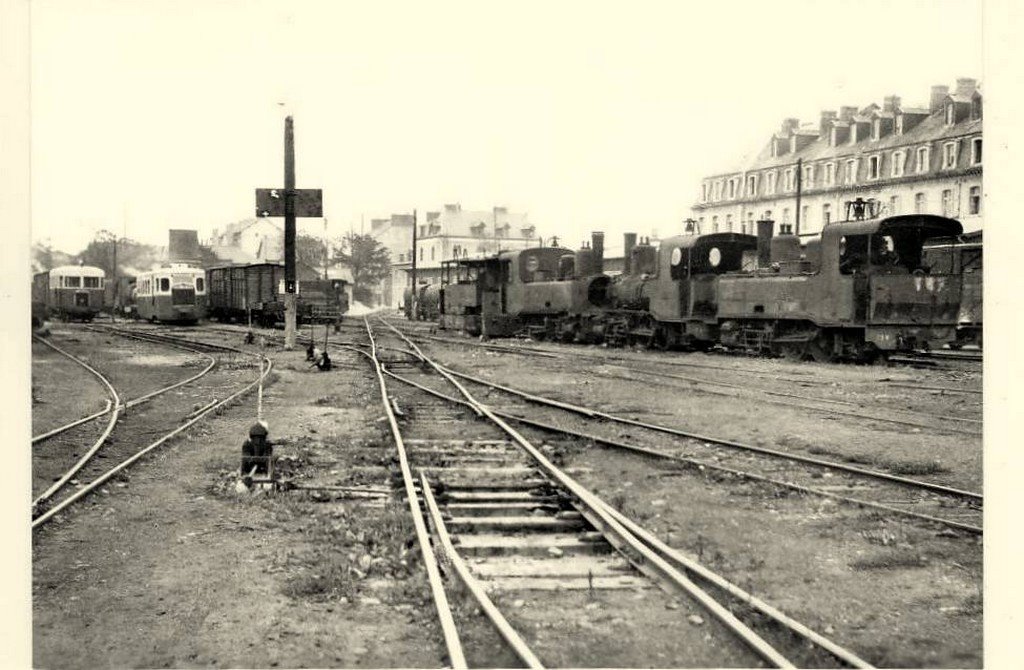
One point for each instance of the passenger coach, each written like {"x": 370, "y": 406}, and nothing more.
{"x": 171, "y": 295}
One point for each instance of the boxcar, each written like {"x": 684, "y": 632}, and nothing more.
{"x": 176, "y": 294}
{"x": 68, "y": 292}
{"x": 235, "y": 291}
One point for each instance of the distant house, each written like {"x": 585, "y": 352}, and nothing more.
{"x": 249, "y": 241}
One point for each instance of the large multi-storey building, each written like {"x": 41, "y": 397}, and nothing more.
{"x": 909, "y": 159}
{"x": 446, "y": 235}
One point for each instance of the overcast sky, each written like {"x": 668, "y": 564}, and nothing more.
{"x": 586, "y": 115}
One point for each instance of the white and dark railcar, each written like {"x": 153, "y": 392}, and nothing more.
{"x": 68, "y": 292}
{"x": 175, "y": 294}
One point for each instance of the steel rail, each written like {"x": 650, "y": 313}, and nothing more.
{"x": 640, "y": 555}
{"x": 874, "y": 474}
{"x": 114, "y": 416}
{"x": 697, "y": 463}
{"x": 102, "y": 479}
{"x": 625, "y": 364}
{"x": 504, "y": 628}
{"x": 66, "y": 427}
{"x": 448, "y": 628}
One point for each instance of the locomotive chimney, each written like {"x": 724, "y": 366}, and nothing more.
{"x": 765, "y": 228}
{"x": 598, "y": 247}
{"x": 628, "y": 242}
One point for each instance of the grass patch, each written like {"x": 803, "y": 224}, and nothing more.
{"x": 897, "y": 466}
{"x": 890, "y": 560}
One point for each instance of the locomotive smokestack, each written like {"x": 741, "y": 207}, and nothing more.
{"x": 765, "y": 228}
{"x": 628, "y": 242}
{"x": 598, "y": 246}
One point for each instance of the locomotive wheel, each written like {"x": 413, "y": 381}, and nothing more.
{"x": 794, "y": 351}
{"x": 818, "y": 352}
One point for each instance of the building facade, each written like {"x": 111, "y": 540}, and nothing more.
{"x": 909, "y": 159}
{"x": 249, "y": 241}
{"x": 447, "y": 235}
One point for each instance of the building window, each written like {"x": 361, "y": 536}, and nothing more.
{"x": 421, "y": 253}
{"x": 431, "y": 253}
{"x": 922, "y": 160}
{"x": 850, "y": 176}
{"x": 920, "y": 203}
{"x": 700, "y": 224}
{"x": 874, "y": 167}
{"x": 974, "y": 200}
{"x": 830, "y": 174}
{"x": 750, "y": 223}
{"x": 899, "y": 124}
{"x": 704, "y": 192}
{"x": 894, "y": 205}
{"x": 788, "y": 177}
{"x": 826, "y": 214}
{"x": 976, "y": 108}
{"x": 401, "y": 258}
{"x": 785, "y": 214}
{"x": 947, "y": 202}
{"x": 899, "y": 162}
{"x": 718, "y": 190}
{"x": 770, "y": 187}
{"x": 714, "y": 224}
{"x": 949, "y": 155}
{"x": 767, "y": 214}
{"x": 732, "y": 189}
{"x": 728, "y": 223}
{"x": 950, "y": 114}
{"x": 976, "y": 151}
{"x": 805, "y": 214}
{"x": 752, "y": 185}
{"x": 808, "y": 181}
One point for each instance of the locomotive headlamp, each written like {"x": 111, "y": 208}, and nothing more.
{"x": 677, "y": 256}
{"x": 715, "y": 257}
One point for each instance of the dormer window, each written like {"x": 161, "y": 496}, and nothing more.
{"x": 876, "y": 129}
{"x": 922, "y": 160}
{"x": 949, "y": 151}
{"x": 950, "y": 113}
{"x": 976, "y": 108}
{"x": 899, "y": 124}
{"x": 874, "y": 167}
{"x": 976, "y": 151}
{"x": 853, "y": 133}
{"x": 833, "y": 136}
{"x": 899, "y": 162}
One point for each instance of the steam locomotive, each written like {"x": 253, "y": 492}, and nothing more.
{"x": 861, "y": 289}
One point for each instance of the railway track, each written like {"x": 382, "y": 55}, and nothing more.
{"x": 134, "y": 432}
{"x": 512, "y": 525}
{"x": 621, "y": 367}
{"x": 850, "y": 484}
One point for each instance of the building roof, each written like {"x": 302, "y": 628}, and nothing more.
{"x": 454, "y": 221}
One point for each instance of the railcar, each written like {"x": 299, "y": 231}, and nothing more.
{"x": 863, "y": 289}
{"x": 68, "y": 292}
{"x": 237, "y": 291}
{"x": 426, "y": 305}
{"x": 175, "y": 294}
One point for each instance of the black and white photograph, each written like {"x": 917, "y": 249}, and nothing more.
{"x": 494, "y": 335}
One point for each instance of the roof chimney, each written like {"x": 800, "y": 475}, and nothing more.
{"x": 789, "y": 125}
{"x": 827, "y": 117}
{"x": 939, "y": 94}
{"x": 847, "y": 112}
{"x": 453, "y": 208}
{"x": 433, "y": 216}
{"x": 892, "y": 103}
{"x": 966, "y": 86}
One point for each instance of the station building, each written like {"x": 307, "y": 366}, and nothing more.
{"x": 910, "y": 159}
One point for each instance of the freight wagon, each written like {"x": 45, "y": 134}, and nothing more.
{"x": 235, "y": 291}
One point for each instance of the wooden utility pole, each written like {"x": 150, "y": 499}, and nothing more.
{"x": 289, "y": 234}
{"x": 306, "y": 202}
{"x": 799, "y": 189}
{"x": 412, "y": 296}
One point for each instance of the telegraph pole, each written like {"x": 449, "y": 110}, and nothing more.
{"x": 412, "y": 297}
{"x": 289, "y": 234}
{"x": 799, "y": 189}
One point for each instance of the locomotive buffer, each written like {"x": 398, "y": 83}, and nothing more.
{"x": 290, "y": 203}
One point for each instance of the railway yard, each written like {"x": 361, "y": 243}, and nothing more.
{"x": 441, "y": 501}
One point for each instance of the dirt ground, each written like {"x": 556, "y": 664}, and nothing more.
{"x": 177, "y": 569}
